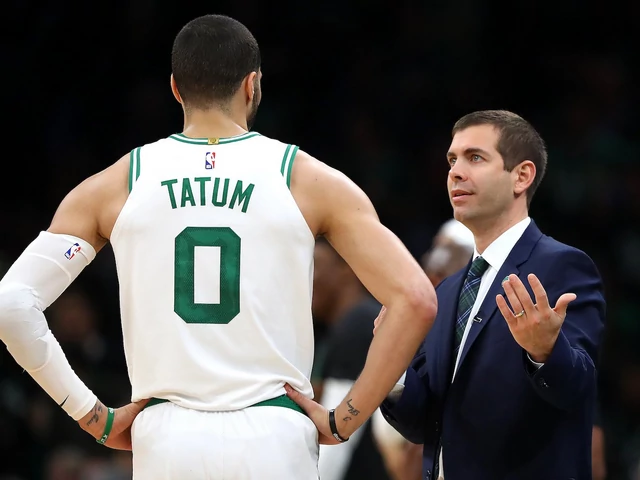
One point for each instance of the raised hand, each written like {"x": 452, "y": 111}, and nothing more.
{"x": 535, "y": 326}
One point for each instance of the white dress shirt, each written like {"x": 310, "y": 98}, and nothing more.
{"x": 495, "y": 255}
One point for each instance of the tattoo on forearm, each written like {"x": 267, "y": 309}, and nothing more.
{"x": 346, "y": 419}
{"x": 353, "y": 411}
{"x": 97, "y": 410}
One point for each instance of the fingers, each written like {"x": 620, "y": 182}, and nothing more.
{"x": 506, "y": 311}
{"x": 121, "y": 441}
{"x": 140, "y": 404}
{"x": 514, "y": 300}
{"x": 326, "y": 439}
{"x": 563, "y": 303}
{"x": 522, "y": 295}
{"x": 316, "y": 412}
{"x": 134, "y": 408}
{"x": 305, "y": 403}
{"x": 542, "y": 301}
{"x": 376, "y": 324}
{"x": 379, "y": 319}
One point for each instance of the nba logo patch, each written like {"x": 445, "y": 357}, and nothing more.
{"x": 210, "y": 160}
{"x": 75, "y": 248}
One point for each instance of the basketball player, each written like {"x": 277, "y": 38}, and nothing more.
{"x": 213, "y": 231}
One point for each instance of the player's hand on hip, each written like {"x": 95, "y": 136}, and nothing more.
{"x": 379, "y": 319}
{"x": 316, "y": 412}
{"x": 535, "y": 326}
{"x": 119, "y": 437}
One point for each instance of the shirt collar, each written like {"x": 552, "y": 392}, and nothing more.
{"x": 498, "y": 251}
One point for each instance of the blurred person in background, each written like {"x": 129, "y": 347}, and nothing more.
{"x": 450, "y": 251}
{"x": 505, "y": 391}
{"x": 340, "y": 301}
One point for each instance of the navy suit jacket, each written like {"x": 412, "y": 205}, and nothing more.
{"x": 501, "y": 419}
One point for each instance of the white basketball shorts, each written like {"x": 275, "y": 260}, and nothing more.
{"x": 256, "y": 443}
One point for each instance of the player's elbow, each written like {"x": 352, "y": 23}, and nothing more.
{"x": 16, "y": 301}
{"x": 422, "y": 303}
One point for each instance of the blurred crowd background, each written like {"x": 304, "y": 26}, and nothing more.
{"x": 371, "y": 88}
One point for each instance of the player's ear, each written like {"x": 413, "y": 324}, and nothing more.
{"x": 174, "y": 89}
{"x": 249, "y": 85}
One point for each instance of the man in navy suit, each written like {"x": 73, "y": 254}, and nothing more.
{"x": 504, "y": 385}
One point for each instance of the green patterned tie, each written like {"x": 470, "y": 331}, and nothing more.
{"x": 467, "y": 298}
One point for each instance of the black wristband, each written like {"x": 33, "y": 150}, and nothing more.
{"x": 334, "y": 429}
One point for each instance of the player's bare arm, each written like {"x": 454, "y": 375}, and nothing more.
{"x": 46, "y": 268}
{"x": 90, "y": 210}
{"x": 336, "y": 208}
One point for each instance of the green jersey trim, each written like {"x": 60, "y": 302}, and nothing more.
{"x": 134, "y": 166}
{"x": 287, "y": 163}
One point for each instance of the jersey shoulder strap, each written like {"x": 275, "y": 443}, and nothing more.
{"x": 287, "y": 163}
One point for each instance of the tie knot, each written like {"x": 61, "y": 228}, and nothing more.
{"x": 478, "y": 267}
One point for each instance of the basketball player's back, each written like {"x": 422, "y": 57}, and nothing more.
{"x": 215, "y": 262}
{"x": 214, "y": 256}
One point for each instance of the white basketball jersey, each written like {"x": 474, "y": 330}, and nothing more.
{"x": 215, "y": 265}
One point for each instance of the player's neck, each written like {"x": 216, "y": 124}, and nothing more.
{"x": 213, "y": 123}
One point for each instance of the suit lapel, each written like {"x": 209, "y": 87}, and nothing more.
{"x": 446, "y": 320}
{"x": 489, "y": 308}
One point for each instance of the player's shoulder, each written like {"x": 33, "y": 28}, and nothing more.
{"x": 116, "y": 177}
{"x": 266, "y": 139}
{"x": 158, "y": 144}
{"x": 302, "y": 167}
{"x": 317, "y": 171}
{"x": 276, "y": 147}
{"x": 283, "y": 149}
{"x": 330, "y": 182}
{"x": 155, "y": 152}
{"x": 103, "y": 184}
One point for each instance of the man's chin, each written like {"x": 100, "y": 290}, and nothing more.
{"x": 462, "y": 214}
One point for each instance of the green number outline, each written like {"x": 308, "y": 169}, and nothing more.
{"x": 184, "y": 282}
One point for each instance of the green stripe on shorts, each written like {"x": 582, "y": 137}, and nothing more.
{"x": 281, "y": 401}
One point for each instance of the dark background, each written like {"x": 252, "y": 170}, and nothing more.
{"x": 371, "y": 88}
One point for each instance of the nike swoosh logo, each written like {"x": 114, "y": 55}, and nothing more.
{"x": 64, "y": 401}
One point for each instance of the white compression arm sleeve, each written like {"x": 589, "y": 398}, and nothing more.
{"x": 37, "y": 278}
